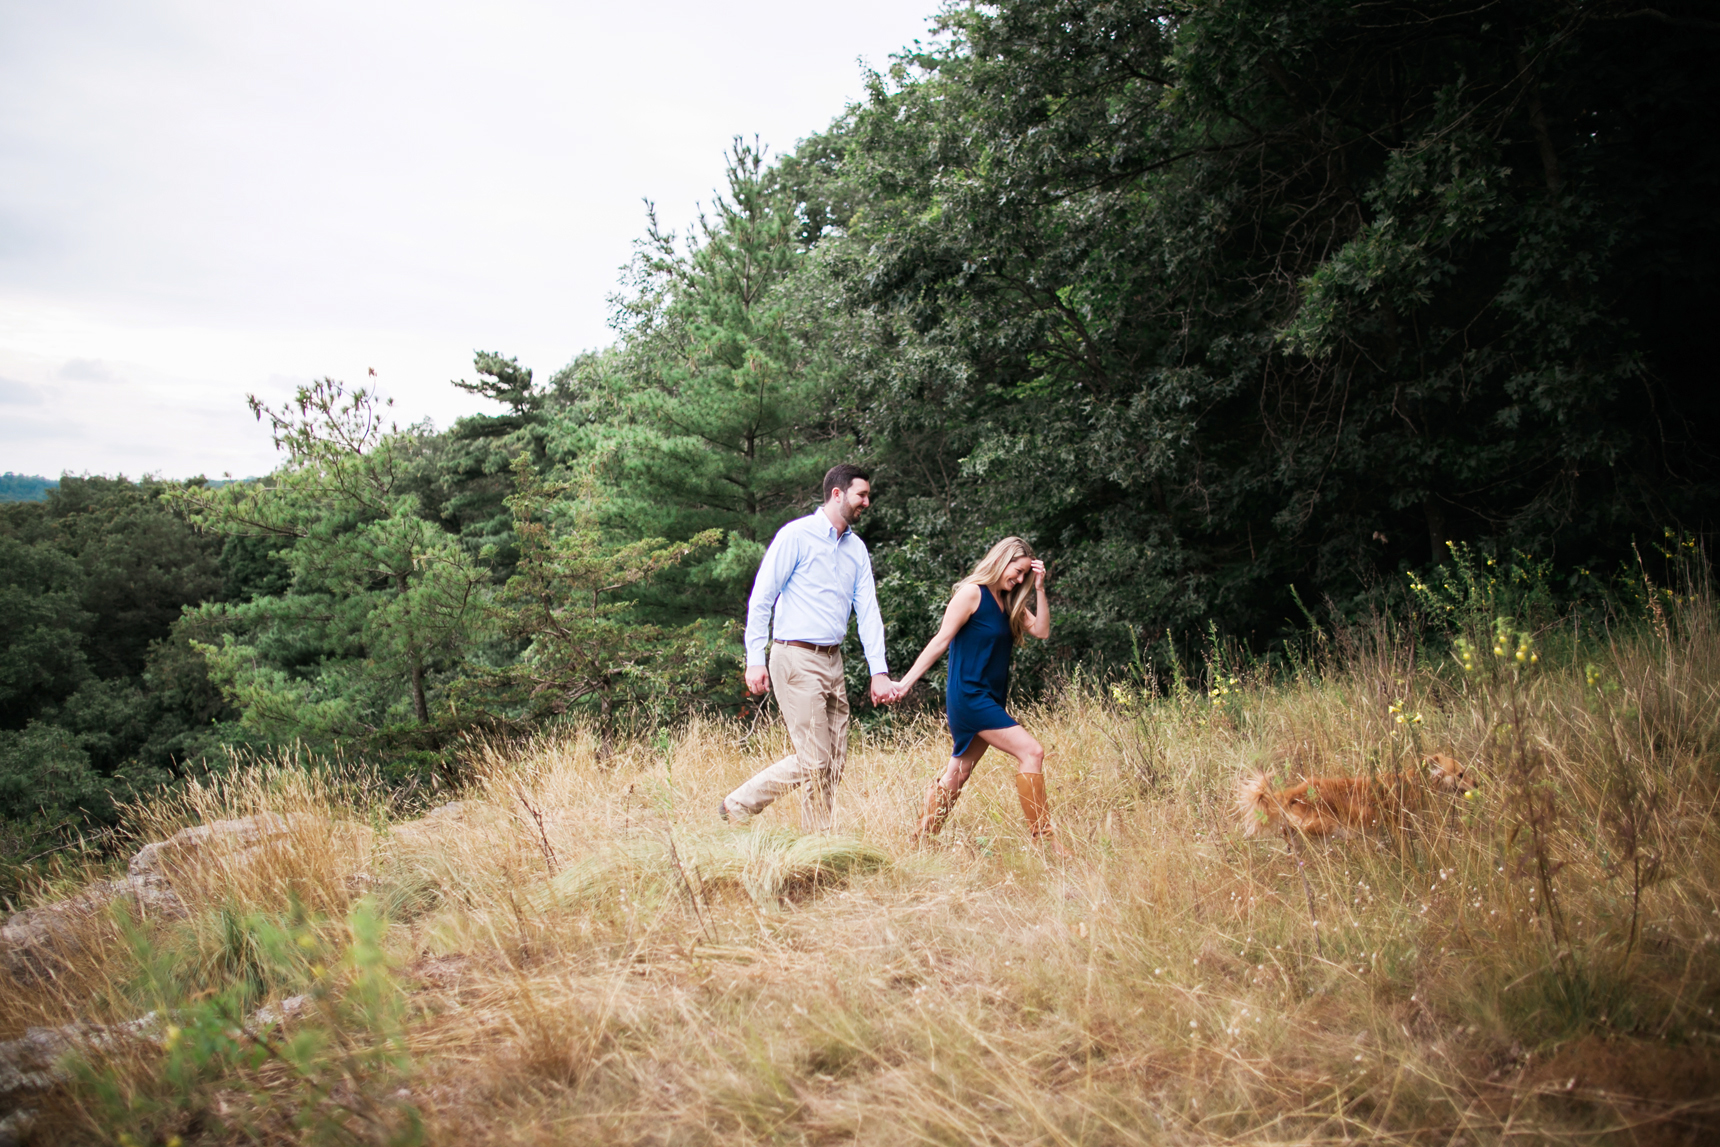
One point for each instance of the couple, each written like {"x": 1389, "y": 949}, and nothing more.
{"x": 814, "y": 574}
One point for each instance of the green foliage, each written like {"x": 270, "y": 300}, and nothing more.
{"x": 331, "y": 1072}
{"x": 1471, "y": 596}
{"x": 101, "y": 696}
{"x": 727, "y": 411}
{"x": 91, "y": 580}
{"x": 142, "y": 564}
{"x": 381, "y": 599}
{"x": 42, "y": 627}
{"x": 46, "y": 781}
{"x": 464, "y": 477}
{"x": 1211, "y": 301}
{"x": 24, "y": 487}
{"x": 584, "y": 643}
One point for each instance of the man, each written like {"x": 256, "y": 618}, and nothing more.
{"x": 814, "y": 575}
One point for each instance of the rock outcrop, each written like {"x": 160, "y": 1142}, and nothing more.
{"x": 451, "y": 819}
{"x": 32, "y": 939}
{"x": 36, "y": 1063}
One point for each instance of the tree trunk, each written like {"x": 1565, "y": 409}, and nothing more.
{"x": 1437, "y": 540}
{"x": 420, "y": 708}
{"x": 1543, "y": 136}
{"x": 605, "y": 728}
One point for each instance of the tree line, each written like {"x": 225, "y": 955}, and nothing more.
{"x": 1228, "y": 308}
{"x": 24, "y": 487}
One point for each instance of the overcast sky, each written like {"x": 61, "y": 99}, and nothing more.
{"x": 200, "y": 200}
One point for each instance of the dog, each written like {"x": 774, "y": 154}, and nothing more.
{"x": 1340, "y": 806}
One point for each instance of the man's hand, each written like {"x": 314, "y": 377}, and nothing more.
{"x": 758, "y": 679}
{"x": 883, "y": 689}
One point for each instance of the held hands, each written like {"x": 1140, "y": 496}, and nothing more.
{"x": 892, "y": 692}
{"x": 884, "y": 690}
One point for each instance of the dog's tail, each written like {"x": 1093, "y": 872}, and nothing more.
{"x": 1255, "y": 809}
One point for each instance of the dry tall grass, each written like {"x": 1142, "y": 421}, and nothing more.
{"x": 587, "y": 955}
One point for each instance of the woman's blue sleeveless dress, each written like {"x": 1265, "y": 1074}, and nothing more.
{"x": 979, "y": 674}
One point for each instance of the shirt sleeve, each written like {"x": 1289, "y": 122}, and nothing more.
{"x": 773, "y": 571}
{"x": 871, "y": 621}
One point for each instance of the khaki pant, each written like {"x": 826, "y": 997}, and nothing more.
{"x": 814, "y": 700}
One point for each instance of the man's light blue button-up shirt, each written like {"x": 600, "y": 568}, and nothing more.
{"x": 814, "y": 578}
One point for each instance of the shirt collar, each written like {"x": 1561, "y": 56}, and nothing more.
{"x": 826, "y": 528}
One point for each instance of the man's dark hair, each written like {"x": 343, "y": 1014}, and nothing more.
{"x": 841, "y": 476}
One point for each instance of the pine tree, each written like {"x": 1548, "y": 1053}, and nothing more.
{"x": 583, "y": 643}
{"x": 381, "y": 598}
{"x": 727, "y": 422}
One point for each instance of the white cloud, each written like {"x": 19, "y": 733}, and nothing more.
{"x": 13, "y": 393}
{"x": 205, "y": 198}
{"x": 87, "y": 370}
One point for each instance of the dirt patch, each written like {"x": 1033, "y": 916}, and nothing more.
{"x": 455, "y": 975}
{"x": 1664, "y": 1095}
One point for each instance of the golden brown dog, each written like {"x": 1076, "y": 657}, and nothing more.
{"x": 1338, "y": 806}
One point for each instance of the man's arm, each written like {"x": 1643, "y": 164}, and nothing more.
{"x": 773, "y": 571}
{"x": 871, "y": 623}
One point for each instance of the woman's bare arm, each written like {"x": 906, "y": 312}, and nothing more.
{"x": 1040, "y": 626}
{"x": 962, "y": 605}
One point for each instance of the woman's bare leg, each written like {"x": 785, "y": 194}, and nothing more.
{"x": 941, "y": 797}
{"x": 1029, "y": 755}
{"x": 1018, "y": 743}
{"x": 957, "y": 772}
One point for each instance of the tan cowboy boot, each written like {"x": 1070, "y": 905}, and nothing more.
{"x": 939, "y": 802}
{"x": 1030, "y": 787}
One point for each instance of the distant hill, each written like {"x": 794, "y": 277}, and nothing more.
{"x": 25, "y": 487}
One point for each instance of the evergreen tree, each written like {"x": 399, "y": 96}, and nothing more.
{"x": 464, "y": 475}
{"x": 583, "y": 642}
{"x": 381, "y": 600}
{"x": 727, "y": 417}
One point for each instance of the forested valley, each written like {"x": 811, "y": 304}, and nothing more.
{"x": 1242, "y": 313}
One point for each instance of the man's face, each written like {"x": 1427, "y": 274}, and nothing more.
{"x": 853, "y": 502}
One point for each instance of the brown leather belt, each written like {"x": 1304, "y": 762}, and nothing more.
{"x": 809, "y": 645}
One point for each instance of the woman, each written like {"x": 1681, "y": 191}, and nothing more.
{"x": 986, "y": 618}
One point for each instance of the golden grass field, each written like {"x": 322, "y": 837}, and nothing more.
{"x": 582, "y": 953}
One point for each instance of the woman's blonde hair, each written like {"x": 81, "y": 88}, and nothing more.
{"x": 988, "y": 572}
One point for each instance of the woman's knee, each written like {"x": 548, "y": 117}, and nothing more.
{"x": 1031, "y": 758}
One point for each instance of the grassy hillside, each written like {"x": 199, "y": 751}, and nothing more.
{"x": 582, "y": 953}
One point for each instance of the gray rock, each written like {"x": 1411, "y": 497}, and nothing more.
{"x": 271, "y": 1014}
{"x": 443, "y": 820}
{"x": 32, "y": 940}
{"x": 15, "y": 1126}
{"x": 34, "y": 1062}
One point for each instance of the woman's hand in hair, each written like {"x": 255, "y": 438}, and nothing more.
{"x": 1039, "y": 618}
